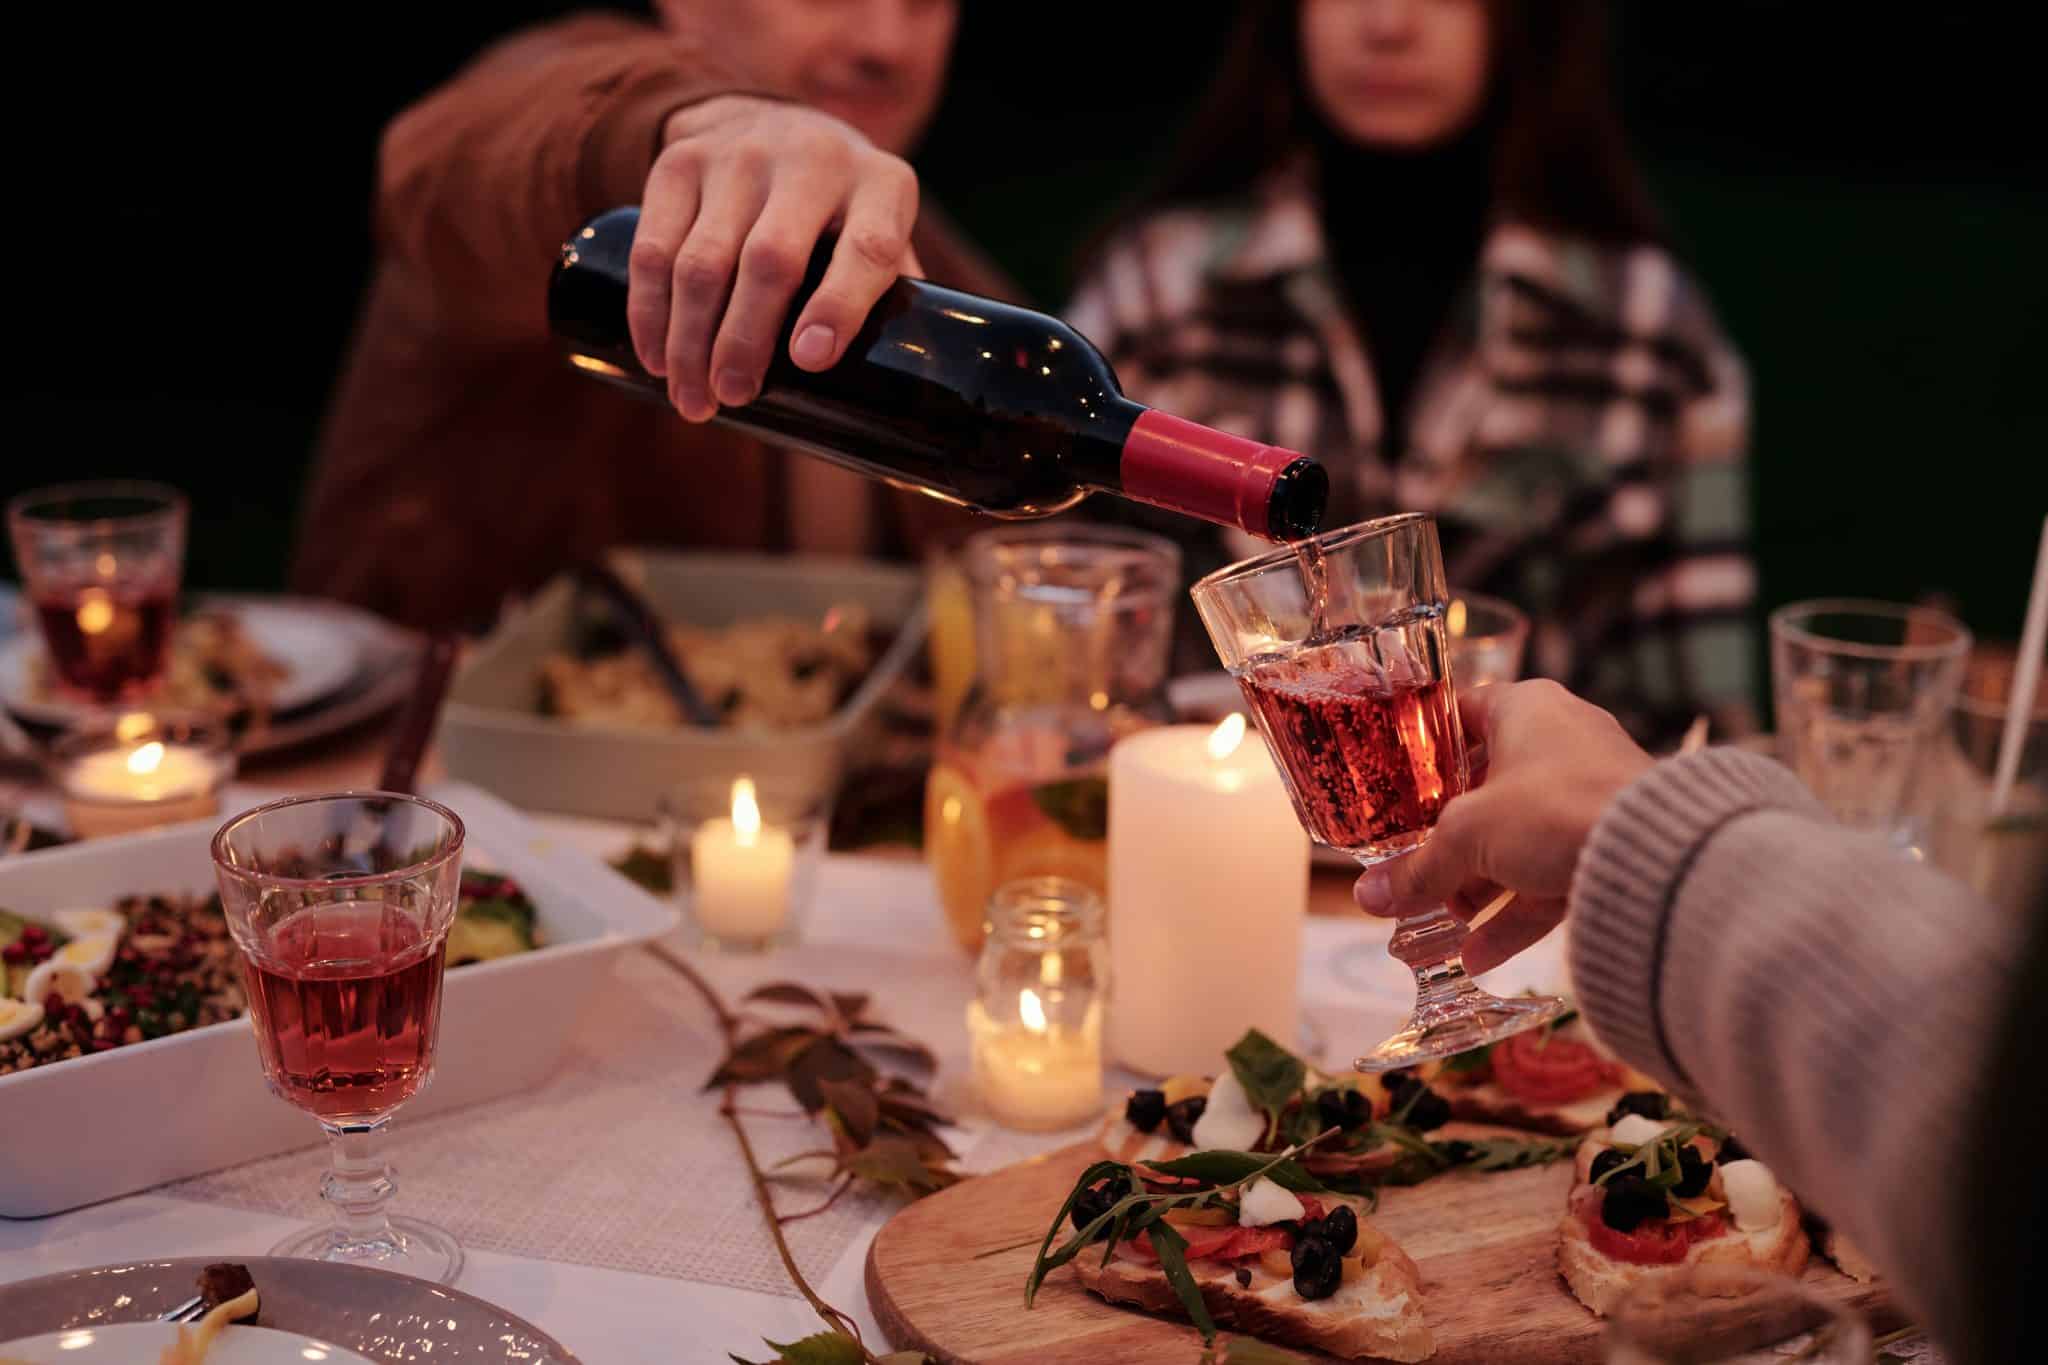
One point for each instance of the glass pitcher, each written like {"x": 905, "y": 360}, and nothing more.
{"x": 1073, "y": 625}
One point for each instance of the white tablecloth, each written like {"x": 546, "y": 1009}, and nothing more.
{"x": 866, "y": 907}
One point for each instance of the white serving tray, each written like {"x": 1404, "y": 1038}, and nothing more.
{"x": 105, "y": 1125}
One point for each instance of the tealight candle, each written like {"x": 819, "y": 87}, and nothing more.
{"x": 1208, "y": 870}
{"x": 1035, "y": 1024}
{"x": 137, "y": 776}
{"x": 740, "y": 873}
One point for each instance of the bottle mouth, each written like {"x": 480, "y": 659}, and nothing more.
{"x": 1301, "y": 493}
{"x": 1044, "y": 913}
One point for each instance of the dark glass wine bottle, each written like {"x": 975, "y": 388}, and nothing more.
{"x": 982, "y": 403}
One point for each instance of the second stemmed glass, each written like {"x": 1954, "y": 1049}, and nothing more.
{"x": 340, "y": 906}
{"x": 1339, "y": 646}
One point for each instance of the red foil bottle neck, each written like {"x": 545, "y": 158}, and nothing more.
{"x": 1186, "y": 467}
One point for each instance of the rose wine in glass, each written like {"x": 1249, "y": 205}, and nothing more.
{"x": 340, "y": 906}
{"x": 346, "y": 1000}
{"x": 1340, "y": 648}
{"x": 101, "y": 563}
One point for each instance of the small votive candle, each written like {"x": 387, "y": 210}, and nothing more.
{"x": 1035, "y": 1024}
{"x": 748, "y": 863}
{"x": 138, "y": 774}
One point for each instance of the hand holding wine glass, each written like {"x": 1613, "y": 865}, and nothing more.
{"x": 1340, "y": 646}
{"x": 1552, "y": 764}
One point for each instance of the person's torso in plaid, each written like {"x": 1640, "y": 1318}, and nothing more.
{"x": 1578, "y": 429}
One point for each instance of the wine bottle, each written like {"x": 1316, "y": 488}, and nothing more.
{"x": 982, "y": 403}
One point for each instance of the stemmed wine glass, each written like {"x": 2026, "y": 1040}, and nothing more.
{"x": 1338, "y": 644}
{"x": 340, "y": 906}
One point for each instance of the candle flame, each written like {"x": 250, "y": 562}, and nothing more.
{"x": 1031, "y": 1010}
{"x": 146, "y": 759}
{"x": 1454, "y": 617}
{"x": 746, "y": 812}
{"x": 95, "y": 611}
{"x": 1228, "y": 734}
{"x": 133, "y": 726}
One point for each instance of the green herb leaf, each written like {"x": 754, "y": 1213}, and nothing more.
{"x": 1507, "y": 1154}
{"x": 821, "y": 1348}
{"x": 1045, "y": 1263}
{"x": 1234, "y": 1168}
{"x": 1080, "y": 805}
{"x": 1465, "y": 1063}
{"x": 1173, "y": 1261}
{"x": 890, "y": 1160}
{"x": 1270, "y": 1074}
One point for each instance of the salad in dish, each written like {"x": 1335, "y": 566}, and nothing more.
{"x": 79, "y": 981}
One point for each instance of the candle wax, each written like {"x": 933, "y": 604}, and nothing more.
{"x": 1037, "y": 1080}
{"x": 740, "y": 880}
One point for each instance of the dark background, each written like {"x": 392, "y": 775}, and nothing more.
{"x": 1863, "y": 195}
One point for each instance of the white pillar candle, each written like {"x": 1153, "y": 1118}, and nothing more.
{"x": 740, "y": 872}
{"x": 1208, "y": 889}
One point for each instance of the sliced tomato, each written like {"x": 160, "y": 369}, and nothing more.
{"x": 1217, "y": 1244}
{"x": 1541, "y": 1068}
{"x": 1656, "y": 1241}
{"x": 1311, "y": 1207}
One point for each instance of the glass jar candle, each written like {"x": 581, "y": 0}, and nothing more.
{"x": 138, "y": 772}
{"x": 1035, "y": 1025}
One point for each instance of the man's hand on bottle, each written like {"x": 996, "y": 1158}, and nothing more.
{"x": 1545, "y": 766}
{"x": 735, "y": 204}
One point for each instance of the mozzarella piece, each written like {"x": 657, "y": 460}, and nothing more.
{"x": 1634, "y": 1130}
{"x": 1752, "y": 1193}
{"x": 94, "y": 953}
{"x": 1266, "y": 1203}
{"x": 90, "y": 923}
{"x": 18, "y": 1017}
{"x": 1229, "y": 1121}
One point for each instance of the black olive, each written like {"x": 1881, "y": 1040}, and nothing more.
{"x": 1317, "y": 1268}
{"x": 1392, "y": 1079}
{"x": 1181, "y": 1118}
{"x": 1629, "y": 1200}
{"x": 1097, "y": 1200}
{"x": 1605, "y": 1162}
{"x": 1457, "y": 1151}
{"x": 1732, "y": 1150}
{"x": 1145, "y": 1109}
{"x": 1339, "y": 1227}
{"x": 1426, "y": 1108}
{"x": 1693, "y": 1170}
{"x": 1244, "y": 1277}
{"x": 1651, "y": 1104}
{"x": 1341, "y": 1108}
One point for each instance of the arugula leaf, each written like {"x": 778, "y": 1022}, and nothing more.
{"x": 1466, "y": 1062}
{"x": 1098, "y": 1171}
{"x": 1234, "y": 1168}
{"x": 1508, "y": 1154}
{"x": 1270, "y": 1074}
{"x": 1173, "y": 1261}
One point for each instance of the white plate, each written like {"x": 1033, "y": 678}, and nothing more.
{"x": 136, "y": 1343}
{"x": 319, "y": 652}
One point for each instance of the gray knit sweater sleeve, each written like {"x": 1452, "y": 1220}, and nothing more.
{"x": 1831, "y": 1000}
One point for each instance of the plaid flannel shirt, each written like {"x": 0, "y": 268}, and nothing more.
{"x": 1578, "y": 430}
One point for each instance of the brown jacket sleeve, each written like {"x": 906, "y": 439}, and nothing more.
{"x": 479, "y": 183}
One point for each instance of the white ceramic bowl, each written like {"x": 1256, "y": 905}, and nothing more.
{"x": 104, "y": 1125}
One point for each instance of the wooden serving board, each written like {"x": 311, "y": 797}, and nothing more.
{"x": 1487, "y": 1246}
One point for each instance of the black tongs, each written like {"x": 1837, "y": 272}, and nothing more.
{"x": 640, "y": 622}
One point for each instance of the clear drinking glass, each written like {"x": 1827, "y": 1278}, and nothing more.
{"x": 1734, "y": 1315}
{"x": 1488, "y": 638}
{"x": 101, "y": 564}
{"x": 1339, "y": 646}
{"x": 1862, "y": 691}
{"x": 2002, "y": 854}
{"x": 340, "y": 906}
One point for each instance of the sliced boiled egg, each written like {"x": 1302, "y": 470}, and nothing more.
{"x": 1752, "y": 1193}
{"x": 1228, "y": 1121}
{"x": 90, "y": 923}
{"x": 94, "y": 953}
{"x": 1266, "y": 1203}
{"x": 71, "y": 984}
{"x": 18, "y": 1017}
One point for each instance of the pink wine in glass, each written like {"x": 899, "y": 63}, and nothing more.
{"x": 108, "y": 642}
{"x": 1372, "y": 760}
{"x": 347, "y": 1000}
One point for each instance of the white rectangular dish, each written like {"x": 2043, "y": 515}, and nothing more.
{"x": 108, "y": 1124}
